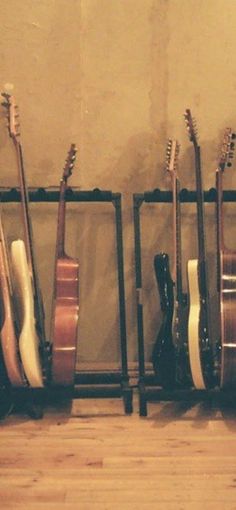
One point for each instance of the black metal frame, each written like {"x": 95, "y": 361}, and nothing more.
{"x": 148, "y": 390}
{"x": 89, "y": 384}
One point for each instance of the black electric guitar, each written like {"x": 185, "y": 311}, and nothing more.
{"x": 163, "y": 355}
{"x": 226, "y": 276}
{"x": 181, "y": 308}
{"x": 199, "y": 341}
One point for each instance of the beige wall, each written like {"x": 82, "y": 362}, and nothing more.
{"x": 114, "y": 76}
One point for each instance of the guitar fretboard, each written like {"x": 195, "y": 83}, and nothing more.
{"x": 201, "y": 226}
{"x": 177, "y": 238}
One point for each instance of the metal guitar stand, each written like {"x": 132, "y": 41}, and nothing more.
{"x": 148, "y": 389}
{"x": 89, "y": 384}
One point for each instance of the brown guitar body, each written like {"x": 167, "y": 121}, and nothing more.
{"x": 65, "y": 321}
{"x": 228, "y": 318}
{"x": 226, "y": 276}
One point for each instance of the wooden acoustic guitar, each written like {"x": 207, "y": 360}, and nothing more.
{"x": 226, "y": 276}
{"x": 8, "y": 319}
{"x": 66, "y": 295}
{"x": 32, "y": 343}
{"x": 199, "y": 341}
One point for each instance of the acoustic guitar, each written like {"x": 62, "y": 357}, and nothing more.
{"x": 8, "y": 319}
{"x": 226, "y": 276}
{"x": 66, "y": 295}
{"x": 32, "y": 339}
{"x": 199, "y": 341}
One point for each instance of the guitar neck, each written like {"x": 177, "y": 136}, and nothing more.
{"x": 177, "y": 238}
{"x": 28, "y": 238}
{"x": 219, "y": 224}
{"x": 60, "y": 243}
{"x": 25, "y": 209}
{"x": 202, "y": 273}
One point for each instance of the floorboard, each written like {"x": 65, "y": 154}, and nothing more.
{"x": 90, "y": 456}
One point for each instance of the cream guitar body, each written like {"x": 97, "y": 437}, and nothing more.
{"x": 28, "y": 338}
{"x": 193, "y": 325}
{"x": 199, "y": 324}
{"x": 8, "y": 328}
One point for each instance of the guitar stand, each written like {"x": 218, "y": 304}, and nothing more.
{"x": 148, "y": 388}
{"x": 89, "y": 384}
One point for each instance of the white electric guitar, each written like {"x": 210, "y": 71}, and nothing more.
{"x": 8, "y": 320}
{"x": 32, "y": 334}
{"x": 199, "y": 341}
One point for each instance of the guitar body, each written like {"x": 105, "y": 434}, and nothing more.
{"x": 180, "y": 340}
{"x": 28, "y": 338}
{"x": 198, "y": 335}
{"x": 9, "y": 341}
{"x": 228, "y": 319}
{"x": 65, "y": 323}
{"x": 195, "y": 325}
{"x": 6, "y": 399}
{"x": 163, "y": 355}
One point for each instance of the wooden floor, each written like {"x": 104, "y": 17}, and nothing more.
{"x": 96, "y": 458}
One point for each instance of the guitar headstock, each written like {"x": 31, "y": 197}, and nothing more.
{"x": 12, "y": 115}
{"x": 191, "y": 127}
{"x": 172, "y": 153}
{"x": 69, "y": 164}
{"x": 227, "y": 150}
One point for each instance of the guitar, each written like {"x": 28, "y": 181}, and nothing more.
{"x": 181, "y": 308}
{"x": 32, "y": 342}
{"x": 226, "y": 276}
{"x": 8, "y": 343}
{"x": 8, "y": 320}
{"x": 163, "y": 354}
{"x": 66, "y": 295}
{"x": 6, "y": 397}
{"x": 199, "y": 341}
